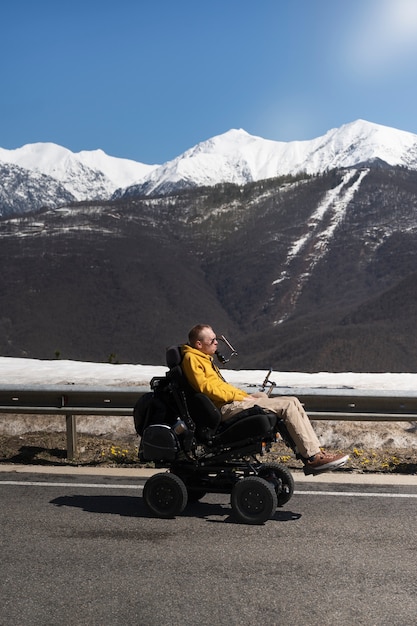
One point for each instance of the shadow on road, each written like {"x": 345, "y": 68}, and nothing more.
{"x": 131, "y": 506}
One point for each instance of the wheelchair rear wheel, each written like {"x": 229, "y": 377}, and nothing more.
{"x": 280, "y": 478}
{"x": 253, "y": 500}
{"x": 165, "y": 495}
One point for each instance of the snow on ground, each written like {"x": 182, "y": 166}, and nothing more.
{"x": 59, "y": 372}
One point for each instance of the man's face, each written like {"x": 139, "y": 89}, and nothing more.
{"x": 207, "y": 342}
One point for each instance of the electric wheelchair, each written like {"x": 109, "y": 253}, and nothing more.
{"x": 181, "y": 430}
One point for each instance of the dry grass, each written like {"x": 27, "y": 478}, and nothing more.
{"x": 50, "y": 449}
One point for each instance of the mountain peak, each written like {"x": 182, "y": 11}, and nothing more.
{"x": 88, "y": 175}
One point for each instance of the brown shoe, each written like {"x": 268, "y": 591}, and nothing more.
{"x": 324, "y": 462}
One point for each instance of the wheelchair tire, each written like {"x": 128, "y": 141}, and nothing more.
{"x": 280, "y": 478}
{"x": 165, "y": 495}
{"x": 253, "y": 500}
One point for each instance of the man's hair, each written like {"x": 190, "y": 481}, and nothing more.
{"x": 196, "y": 332}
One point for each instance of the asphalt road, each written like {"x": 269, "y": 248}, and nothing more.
{"x": 82, "y": 550}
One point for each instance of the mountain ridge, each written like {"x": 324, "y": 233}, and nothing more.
{"x": 237, "y": 157}
{"x": 234, "y": 157}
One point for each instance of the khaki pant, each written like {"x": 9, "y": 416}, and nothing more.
{"x": 287, "y": 408}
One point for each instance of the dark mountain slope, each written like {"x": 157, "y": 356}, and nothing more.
{"x": 90, "y": 294}
{"x": 291, "y": 270}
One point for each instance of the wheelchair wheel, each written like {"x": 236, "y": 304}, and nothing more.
{"x": 165, "y": 495}
{"x": 280, "y": 478}
{"x": 253, "y": 500}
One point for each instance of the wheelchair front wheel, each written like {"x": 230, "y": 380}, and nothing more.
{"x": 253, "y": 500}
{"x": 280, "y": 478}
{"x": 165, "y": 495}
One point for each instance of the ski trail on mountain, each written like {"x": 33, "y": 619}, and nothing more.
{"x": 311, "y": 247}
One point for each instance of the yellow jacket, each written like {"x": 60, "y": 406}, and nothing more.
{"x": 204, "y": 376}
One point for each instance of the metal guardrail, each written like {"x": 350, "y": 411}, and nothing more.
{"x": 69, "y": 401}
{"x": 320, "y": 404}
{"x": 358, "y": 405}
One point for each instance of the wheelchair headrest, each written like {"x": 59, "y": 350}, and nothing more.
{"x": 173, "y": 356}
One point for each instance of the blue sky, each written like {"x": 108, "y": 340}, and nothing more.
{"x": 147, "y": 80}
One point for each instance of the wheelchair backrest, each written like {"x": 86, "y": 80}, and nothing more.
{"x": 203, "y": 412}
{"x": 173, "y": 356}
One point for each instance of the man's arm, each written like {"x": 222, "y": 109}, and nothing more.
{"x": 206, "y": 380}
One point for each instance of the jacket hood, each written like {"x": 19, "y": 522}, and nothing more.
{"x": 187, "y": 348}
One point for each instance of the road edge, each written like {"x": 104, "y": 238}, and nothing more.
{"x": 336, "y": 477}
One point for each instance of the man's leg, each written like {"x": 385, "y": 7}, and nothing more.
{"x": 291, "y": 411}
{"x": 297, "y": 422}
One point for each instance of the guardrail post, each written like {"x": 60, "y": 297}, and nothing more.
{"x": 71, "y": 437}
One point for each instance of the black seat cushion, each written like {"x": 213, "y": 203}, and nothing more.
{"x": 243, "y": 428}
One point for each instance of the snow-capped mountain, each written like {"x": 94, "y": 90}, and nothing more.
{"x": 87, "y": 175}
{"x": 233, "y": 157}
{"x": 23, "y": 191}
{"x": 237, "y": 157}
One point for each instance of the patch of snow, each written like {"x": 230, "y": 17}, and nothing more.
{"x": 19, "y": 371}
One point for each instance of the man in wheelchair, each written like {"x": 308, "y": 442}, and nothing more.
{"x": 209, "y": 434}
{"x": 204, "y": 377}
